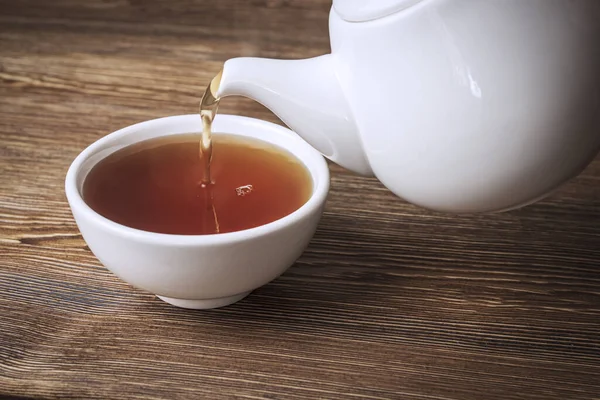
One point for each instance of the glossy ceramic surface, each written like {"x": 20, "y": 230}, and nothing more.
{"x": 203, "y": 271}
{"x": 455, "y": 105}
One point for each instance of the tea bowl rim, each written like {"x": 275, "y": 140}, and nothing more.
{"x": 239, "y": 125}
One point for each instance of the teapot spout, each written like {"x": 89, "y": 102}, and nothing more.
{"x": 307, "y": 96}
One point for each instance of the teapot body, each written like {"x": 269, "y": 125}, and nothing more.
{"x": 474, "y": 106}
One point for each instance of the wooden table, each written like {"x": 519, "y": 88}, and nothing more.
{"x": 389, "y": 301}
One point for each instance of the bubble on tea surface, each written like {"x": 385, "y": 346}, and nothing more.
{"x": 244, "y": 190}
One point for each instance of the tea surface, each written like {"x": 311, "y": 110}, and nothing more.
{"x": 156, "y": 185}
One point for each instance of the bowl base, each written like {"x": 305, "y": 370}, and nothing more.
{"x": 204, "y": 304}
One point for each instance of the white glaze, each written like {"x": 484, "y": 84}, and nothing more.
{"x": 204, "y": 271}
{"x": 455, "y": 105}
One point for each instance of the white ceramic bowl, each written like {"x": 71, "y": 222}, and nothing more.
{"x": 199, "y": 271}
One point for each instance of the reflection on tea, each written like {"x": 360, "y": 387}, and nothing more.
{"x": 158, "y": 185}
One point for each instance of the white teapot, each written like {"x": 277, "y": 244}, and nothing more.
{"x": 454, "y": 105}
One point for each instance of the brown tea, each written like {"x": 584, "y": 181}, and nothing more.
{"x": 157, "y": 185}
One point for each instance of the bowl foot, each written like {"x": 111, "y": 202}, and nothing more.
{"x": 204, "y": 304}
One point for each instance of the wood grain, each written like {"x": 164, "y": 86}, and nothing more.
{"x": 389, "y": 301}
